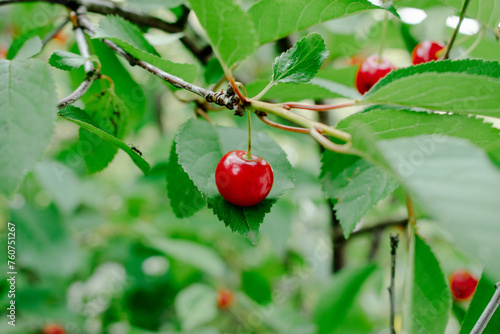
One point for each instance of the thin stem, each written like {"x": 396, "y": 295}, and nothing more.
{"x": 412, "y": 219}
{"x": 278, "y": 110}
{"x": 455, "y": 33}
{"x": 379, "y": 227}
{"x": 267, "y": 121}
{"x": 394, "y": 246}
{"x": 346, "y": 148}
{"x": 248, "y": 156}
{"x": 319, "y": 107}
{"x": 383, "y": 37}
{"x": 488, "y": 312}
{"x": 54, "y": 32}
{"x": 475, "y": 44}
{"x": 264, "y": 91}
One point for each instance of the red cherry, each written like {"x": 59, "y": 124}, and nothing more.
{"x": 224, "y": 299}
{"x": 53, "y": 329}
{"x": 426, "y": 51}
{"x": 462, "y": 284}
{"x": 243, "y": 182}
{"x": 371, "y": 70}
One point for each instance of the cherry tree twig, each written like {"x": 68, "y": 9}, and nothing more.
{"x": 90, "y": 70}
{"x": 110, "y": 8}
{"x": 54, "y": 32}
{"x": 394, "y": 246}
{"x": 488, "y": 312}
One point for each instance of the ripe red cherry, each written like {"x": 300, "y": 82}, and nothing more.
{"x": 371, "y": 70}
{"x": 426, "y": 51}
{"x": 241, "y": 181}
{"x": 462, "y": 284}
{"x": 224, "y": 299}
{"x": 53, "y": 329}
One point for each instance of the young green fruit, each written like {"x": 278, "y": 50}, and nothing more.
{"x": 241, "y": 181}
{"x": 426, "y": 51}
{"x": 462, "y": 284}
{"x": 371, "y": 70}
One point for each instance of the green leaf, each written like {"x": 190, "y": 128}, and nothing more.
{"x": 196, "y": 305}
{"x": 80, "y": 117}
{"x": 184, "y": 197}
{"x": 302, "y": 61}
{"x": 256, "y": 287}
{"x": 456, "y": 184}
{"x": 276, "y": 19}
{"x": 427, "y": 296}
{"x": 230, "y": 30}
{"x": 487, "y": 12}
{"x": 354, "y": 185}
{"x": 123, "y": 33}
{"x": 66, "y": 61}
{"x": 200, "y": 146}
{"x": 462, "y": 86}
{"x": 128, "y": 37}
{"x": 389, "y": 124}
{"x": 192, "y": 253}
{"x": 337, "y": 298}
{"x": 30, "y": 48}
{"x": 110, "y": 114}
{"x": 18, "y": 43}
{"x": 484, "y": 291}
{"x": 337, "y": 88}
{"x": 28, "y": 100}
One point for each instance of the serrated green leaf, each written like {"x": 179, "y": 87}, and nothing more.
{"x": 28, "y": 100}
{"x": 230, "y": 30}
{"x": 30, "y": 48}
{"x": 337, "y": 298}
{"x": 128, "y": 37}
{"x": 196, "y": 305}
{"x": 484, "y": 292}
{"x": 200, "y": 146}
{"x": 354, "y": 186}
{"x": 66, "y": 61}
{"x": 80, "y": 117}
{"x": 389, "y": 124}
{"x": 302, "y": 61}
{"x": 110, "y": 114}
{"x": 276, "y": 19}
{"x": 456, "y": 184}
{"x": 487, "y": 12}
{"x": 184, "y": 197}
{"x": 427, "y": 296}
{"x": 462, "y": 86}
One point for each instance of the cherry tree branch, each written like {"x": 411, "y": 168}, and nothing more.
{"x": 90, "y": 70}
{"x": 105, "y": 7}
{"x": 54, "y": 32}
{"x": 488, "y": 312}
{"x": 394, "y": 247}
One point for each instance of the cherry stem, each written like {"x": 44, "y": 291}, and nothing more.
{"x": 322, "y": 107}
{"x": 412, "y": 219}
{"x": 281, "y": 126}
{"x": 455, "y": 33}
{"x": 383, "y": 36}
{"x": 248, "y": 156}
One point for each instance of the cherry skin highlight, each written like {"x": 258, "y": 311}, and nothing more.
{"x": 426, "y": 51}
{"x": 224, "y": 299}
{"x": 462, "y": 284}
{"x": 371, "y": 70}
{"x": 243, "y": 182}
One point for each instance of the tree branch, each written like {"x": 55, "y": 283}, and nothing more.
{"x": 379, "y": 227}
{"x": 54, "y": 32}
{"x": 488, "y": 312}
{"x": 109, "y": 8}
{"x": 394, "y": 247}
{"x": 90, "y": 70}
